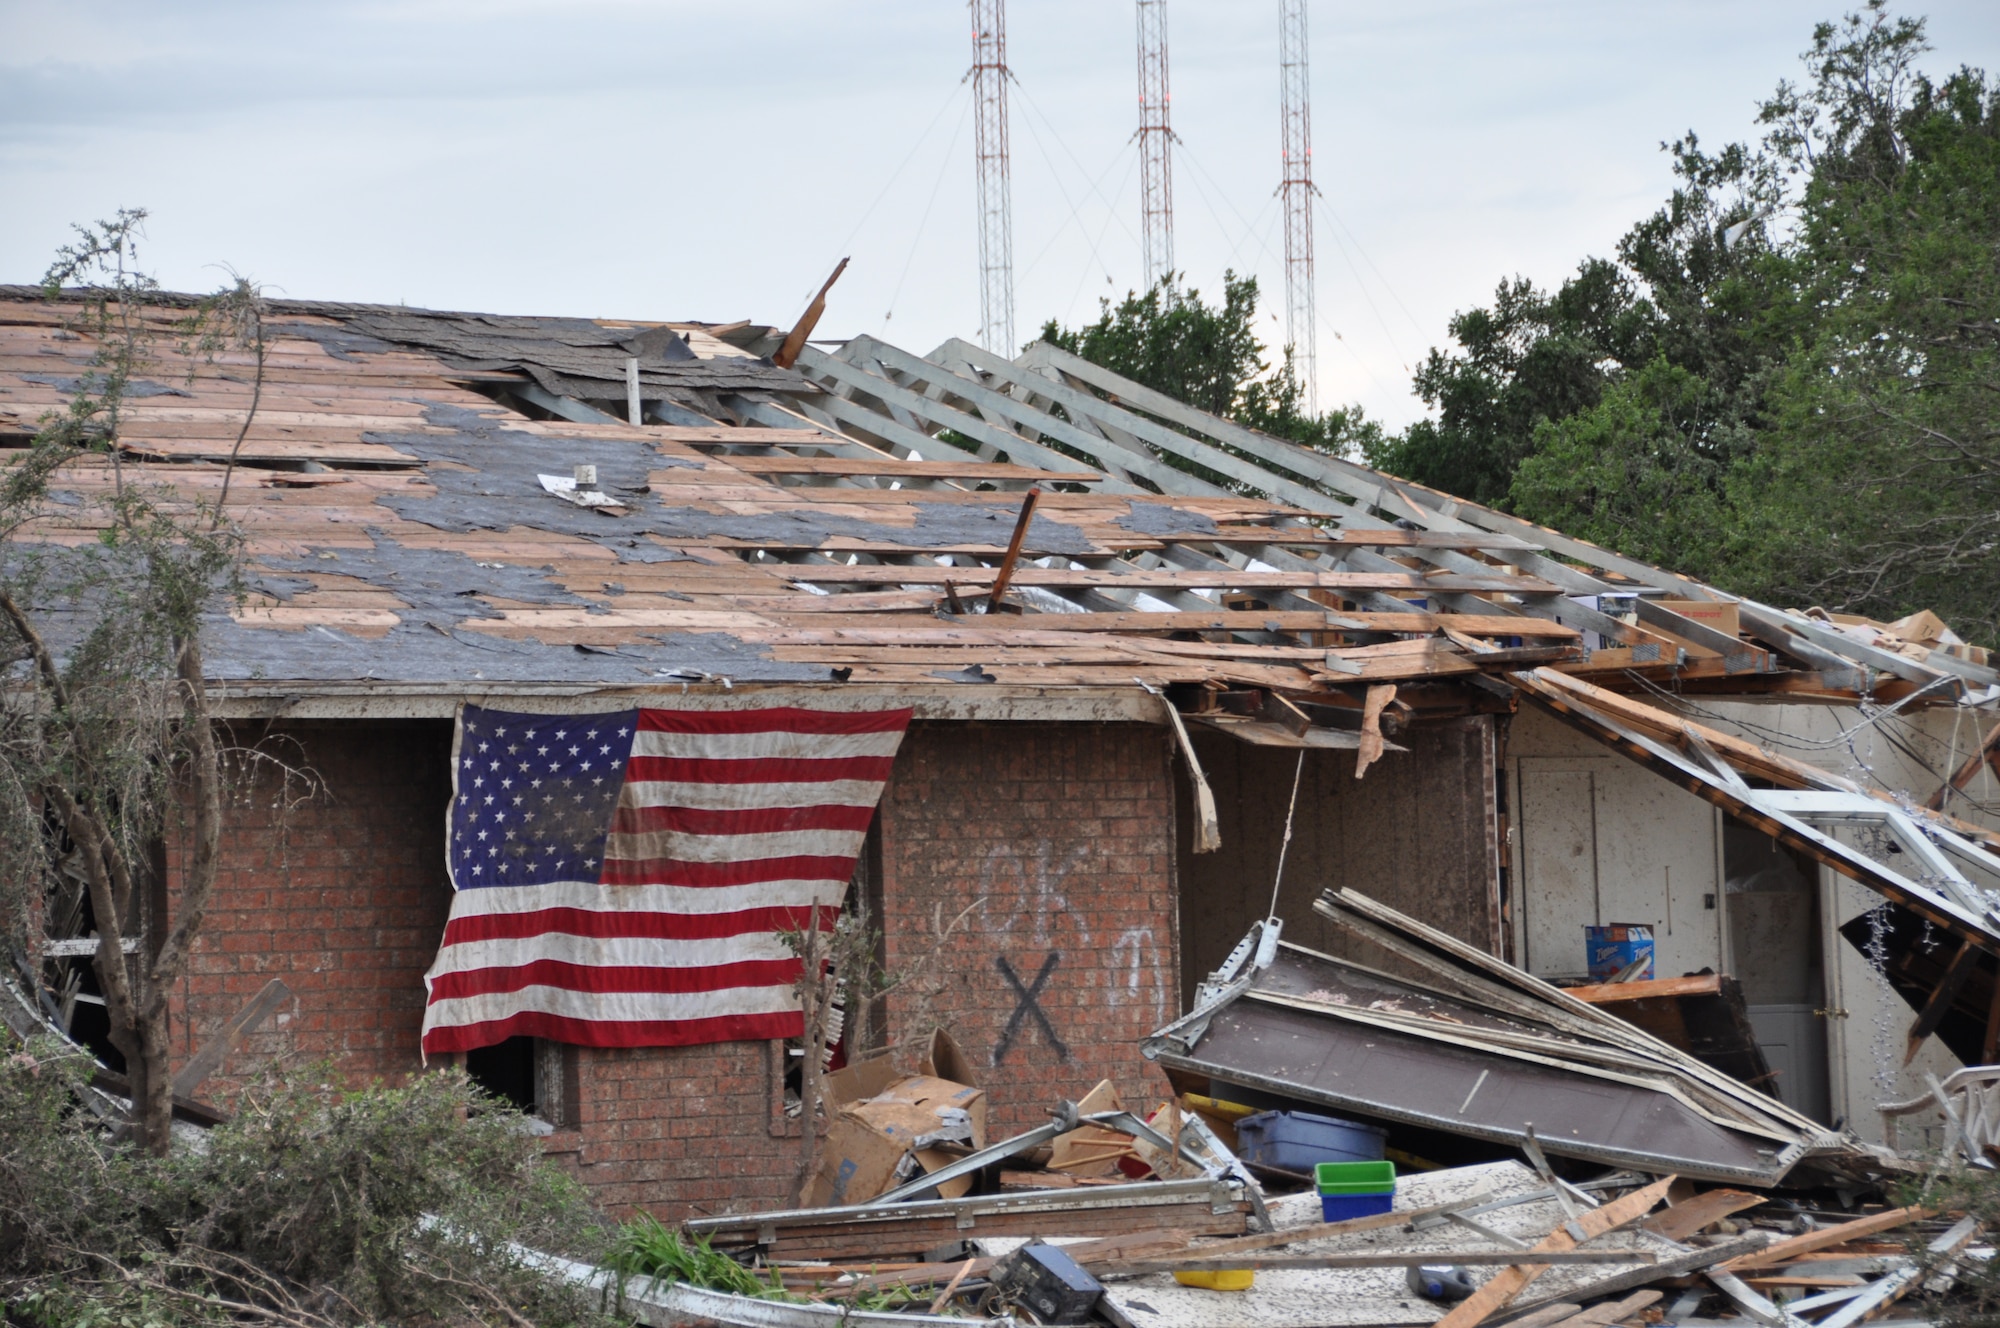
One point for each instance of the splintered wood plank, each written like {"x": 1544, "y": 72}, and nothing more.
{"x": 1178, "y": 579}
{"x": 889, "y": 466}
{"x": 1699, "y": 1213}
{"x": 1838, "y": 1234}
{"x": 268, "y": 449}
{"x": 1605, "y": 993}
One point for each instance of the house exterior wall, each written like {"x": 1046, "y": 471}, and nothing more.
{"x": 1041, "y": 839}
{"x": 1052, "y": 848}
{"x": 343, "y": 895}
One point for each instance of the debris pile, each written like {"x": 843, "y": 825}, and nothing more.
{"x": 1594, "y": 1172}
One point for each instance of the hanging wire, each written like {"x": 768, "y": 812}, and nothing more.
{"x": 897, "y": 174}
{"x": 1290, "y": 810}
{"x": 924, "y": 221}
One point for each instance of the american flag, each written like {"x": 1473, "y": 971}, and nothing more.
{"x": 621, "y": 879}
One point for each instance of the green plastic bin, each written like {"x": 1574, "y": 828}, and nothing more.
{"x": 1355, "y": 1189}
{"x": 1355, "y": 1177}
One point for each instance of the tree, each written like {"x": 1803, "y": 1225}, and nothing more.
{"x": 1783, "y": 382}
{"x": 106, "y": 740}
{"x": 1876, "y": 484}
{"x": 1210, "y": 357}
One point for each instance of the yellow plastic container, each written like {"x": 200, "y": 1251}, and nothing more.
{"x": 1219, "y": 1279}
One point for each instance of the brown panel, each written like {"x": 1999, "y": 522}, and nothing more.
{"x": 1419, "y": 831}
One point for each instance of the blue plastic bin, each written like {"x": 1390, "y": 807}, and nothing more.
{"x": 1340, "y": 1207}
{"x": 1299, "y": 1141}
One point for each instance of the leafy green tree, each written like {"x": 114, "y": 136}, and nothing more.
{"x": 1785, "y": 380}
{"x": 1876, "y": 484}
{"x": 1209, "y": 355}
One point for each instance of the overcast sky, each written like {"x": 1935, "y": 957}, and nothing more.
{"x": 678, "y": 160}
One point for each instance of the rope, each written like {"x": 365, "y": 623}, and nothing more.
{"x": 1286, "y": 843}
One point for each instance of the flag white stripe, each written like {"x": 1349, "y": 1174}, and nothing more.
{"x": 760, "y": 746}
{"x": 677, "y": 846}
{"x": 738, "y": 797}
{"x": 610, "y": 952}
{"x": 612, "y": 1006}
{"x": 688, "y": 899}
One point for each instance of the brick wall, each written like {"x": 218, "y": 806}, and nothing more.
{"x": 1059, "y": 837}
{"x": 1064, "y": 832}
{"x": 681, "y": 1131}
{"x": 343, "y": 896}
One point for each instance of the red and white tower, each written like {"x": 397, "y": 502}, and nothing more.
{"x": 1294, "y": 96}
{"x": 995, "y": 201}
{"x": 1156, "y": 138}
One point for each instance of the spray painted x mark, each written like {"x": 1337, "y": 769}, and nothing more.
{"x": 1029, "y": 1003}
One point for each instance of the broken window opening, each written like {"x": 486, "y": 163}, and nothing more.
{"x": 535, "y": 1075}
{"x": 858, "y": 1026}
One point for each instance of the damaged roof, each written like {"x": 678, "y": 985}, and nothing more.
{"x": 407, "y": 484}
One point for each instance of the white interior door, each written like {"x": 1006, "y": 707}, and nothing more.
{"x": 1604, "y": 841}
{"x": 1558, "y": 829}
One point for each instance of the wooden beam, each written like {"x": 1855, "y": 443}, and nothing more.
{"x": 1606, "y": 993}
{"x": 1504, "y": 1285}
{"x": 1941, "y": 998}
{"x": 795, "y": 340}
{"x": 1005, "y": 572}
{"x": 1839, "y": 1233}
{"x": 220, "y": 1043}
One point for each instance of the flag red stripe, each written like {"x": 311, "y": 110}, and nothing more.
{"x": 740, "y": 821}
{"x": 667, "y": 871}
{"x": 598, "y": 923}
{"x": 605, "y": 978}
{"x": 615, "y": 1032}
{"x": 757, "y": 769}
{"x": 774, "y": 719}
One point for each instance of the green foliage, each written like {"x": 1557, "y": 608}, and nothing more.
{"x": 1784, "y": 381}
{"x": 1624, "y": 474}
{"x": 309, "y": 1207}
{"x": 1954, "y": 1191}
{"x": 647, "y": 1249}
{"x": 1209, "y": 356}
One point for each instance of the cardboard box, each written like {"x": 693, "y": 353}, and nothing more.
{"x": 1708, "y": 612}
{"x": 879, "y": 1117}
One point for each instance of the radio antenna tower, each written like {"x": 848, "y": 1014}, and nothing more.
{"x": 989, "y": 146}
{"x": 1156, "y": 137}
{"x": 1295, "y": 94}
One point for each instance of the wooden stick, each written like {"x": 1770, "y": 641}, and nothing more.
{"x": 1692, "y": 1261}
{"x": 795, "y": 341}
{"x": 944, "y": 1296}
